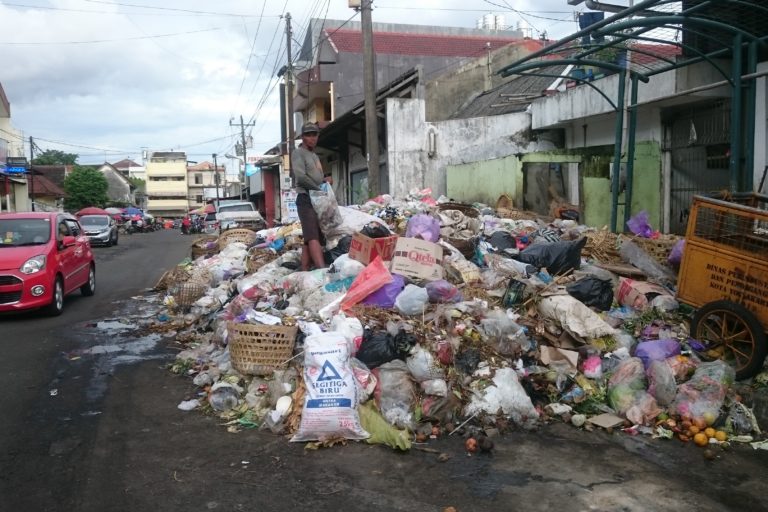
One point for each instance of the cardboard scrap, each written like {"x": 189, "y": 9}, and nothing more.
{"x": 364, "y": 248}
{"x": 418, "y": 259}
{"x": 606, "y": 420}
{"x": 637, "y": 294}
{"x": 552, "y": 354}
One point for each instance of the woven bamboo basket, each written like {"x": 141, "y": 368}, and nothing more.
{"x": 466, "y": 246}
{"x": 257, "y": 258}
{"x": 205, "y": 245}
{"x": 260, "y": 349}
{"x": 602, "y": 246}
{"x": 186, "y": 294}
{"x": 245, "y": 236}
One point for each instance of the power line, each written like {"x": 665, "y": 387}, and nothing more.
{"x": 193, "y": 11}
{"x": 96, "y": 41}
{"x": 250, "y": 53}
{"x": 89, "y": 11}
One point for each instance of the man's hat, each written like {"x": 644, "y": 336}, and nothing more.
{"x": 309, "y": 128}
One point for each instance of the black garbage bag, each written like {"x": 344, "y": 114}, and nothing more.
{"x": 593, "y": 291}
{"x": 341, "y": 248}
{"x": 375, "y": 230}
{"x": 502, "y": 240}
{"x": 380, "y": 347}
{"x": 468, "y": 360}
{"x": 556, "y": 257}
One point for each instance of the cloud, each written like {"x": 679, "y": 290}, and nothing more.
{"x": 132, "y": 91}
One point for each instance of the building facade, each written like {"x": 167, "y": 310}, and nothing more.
{"x": 167, "y": 184}
{"x": 205, "y": 184}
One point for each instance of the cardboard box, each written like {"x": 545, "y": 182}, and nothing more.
{"x": 364, "y": 249}
{"x": 637, "y": 294}
{"x": 418, "y": 259}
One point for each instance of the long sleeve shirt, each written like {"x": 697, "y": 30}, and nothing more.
{"x": 307, "y": 170}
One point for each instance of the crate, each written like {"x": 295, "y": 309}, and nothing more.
{"x": 245, "y": 236}
{"x": 257, "y": 349}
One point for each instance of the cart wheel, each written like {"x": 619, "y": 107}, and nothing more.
{"x": 733, "y": 334}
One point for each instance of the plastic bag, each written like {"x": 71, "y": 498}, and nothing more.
{"x": 381, "y": 431}
{"x": 442, "y": 291}
{"x": 341, "y": 247}
{"x": 656, "y": 350}
{"x": 703, "y": 395}
{"x": 373, "y": 277}
{"x": 435, "y": 387}
{"x": 661, "y": 382}
{"x": 378, "y": 348}
{"x": 327, "y": 209}
{"x": 330, "y": 403}
{"x": 423, "y": 226}
{"x": 503, "y": 333}
{"x": 634, "y": 254}
{"x": 351, "y": 328}
{"x": 676, "y": 254}
{"x": 412, "y": 300}
{"x": 375, "y": 230}
{"x": 628, "y": 378}
{"x": 639, "y": 225}
{"x": 502, "y": 240}
{"x": 394, "y": 393}
{"x": 345, "y": 267}
{"x": 385, "y": 296}
{"x": 506, "y": 394}
{"x": 593, "y": 367}
{"x": 556, "y": 257}
{"x": 593, "y": 291}
{"x": 423, "y": 366}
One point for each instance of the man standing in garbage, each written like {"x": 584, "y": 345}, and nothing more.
{"x": 308, "y": 173}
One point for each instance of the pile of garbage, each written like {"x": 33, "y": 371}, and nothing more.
{"x": 434, "y": 317}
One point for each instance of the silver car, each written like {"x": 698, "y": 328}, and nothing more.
{"x": 100, "y": 229}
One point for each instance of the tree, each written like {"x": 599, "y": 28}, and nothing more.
{"x": 55, "y": 157}
{"x": 85, "y": 187}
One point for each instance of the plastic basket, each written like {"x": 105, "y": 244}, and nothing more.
{"x": 241, "y": 235}
{"x": 260, "y": 349}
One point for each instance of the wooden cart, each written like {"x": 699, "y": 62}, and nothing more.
{"x": 724, "y": 273}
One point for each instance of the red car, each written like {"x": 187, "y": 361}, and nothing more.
{"x": 43, "y": 257}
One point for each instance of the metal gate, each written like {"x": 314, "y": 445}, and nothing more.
{"x": 698, "y": 139}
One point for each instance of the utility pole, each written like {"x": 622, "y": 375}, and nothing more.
{"x": 289, "y": 90}
{"x": 369, "y": 83}
{"x": 216, "y": 179}
{"x": 242, "y": 126}
{"x": 31, "y": 171}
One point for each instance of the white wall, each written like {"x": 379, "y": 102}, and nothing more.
{"x": 458, "y": 141}
{"x": 601, "y": 130}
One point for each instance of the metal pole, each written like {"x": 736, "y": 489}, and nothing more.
{"x": 216, "y": 179}
{"x": 31, "y": 171}
{"x": 369, "y": 83}
{"x": 291, "y": 135}
{"x": 631, "y": 149}
{"x": 245, "y": 157}
{"x": 749, "y": 149}
{"x": 735, "y": 159}
{"x": 617, "y": 154}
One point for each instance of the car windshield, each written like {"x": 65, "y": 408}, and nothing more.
{"x": 236, "y": 208}
{"x": 211, "y": 217}
{"x": 17, "y": 232}
{"x": 94, "y": 221}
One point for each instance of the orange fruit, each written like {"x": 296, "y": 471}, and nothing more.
{"x": 694, "y": 429}
{"x": 700, "y": 439}
{"x": 709, "y": 431}
{"x": 699, "y": 422}
{"x": 721, "y": 436}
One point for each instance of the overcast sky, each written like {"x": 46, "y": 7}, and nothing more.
{"x": 111, "y": 78}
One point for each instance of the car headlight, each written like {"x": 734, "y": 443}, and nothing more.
{"x": 33, "y": 265}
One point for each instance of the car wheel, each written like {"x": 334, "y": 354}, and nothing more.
{"x": 89, "y": 288}
{"x": 56, "y": 307}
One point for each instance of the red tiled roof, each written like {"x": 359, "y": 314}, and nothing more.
{"x": 400, "y": 43}
{"x": 665, "y": 51}
{"x": 43, "y": 187}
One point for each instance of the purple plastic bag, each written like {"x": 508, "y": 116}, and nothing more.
{"x": 385, "y": 296}
{"x": 442, "y": 291}
{"x": 423, "y": 226}
{"x": 656, "y": 350}
{"x": 638, "y": 224}
{"x": 676, "y": 254}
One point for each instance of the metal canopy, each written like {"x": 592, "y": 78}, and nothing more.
{"x": 655, "y": 36}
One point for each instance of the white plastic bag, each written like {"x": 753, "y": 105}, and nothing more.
{"x": 412, "y": 300}
{"x": 506, "y": 394}
{"x": 423, "y": 365}
{"x": 345, "y": 266}
{"x": 330, "y": 403}
{"x": 327, "y": 209}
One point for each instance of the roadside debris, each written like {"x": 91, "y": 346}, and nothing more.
{"x": 433, "y": 314}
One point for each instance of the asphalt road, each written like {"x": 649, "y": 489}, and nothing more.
{"x": 89, "y": 423}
